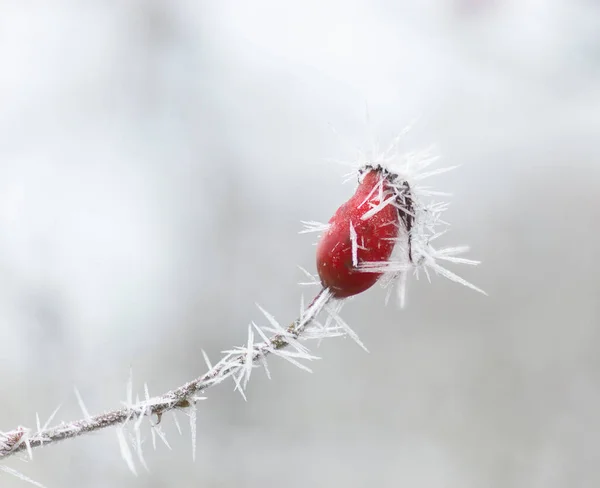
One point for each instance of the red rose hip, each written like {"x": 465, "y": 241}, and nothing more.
{"x": 364, "y": 229}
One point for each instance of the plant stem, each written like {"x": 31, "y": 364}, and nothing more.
{"x": 185, "y": 396}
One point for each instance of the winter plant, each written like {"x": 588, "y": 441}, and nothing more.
{"x": 385, "y": 232}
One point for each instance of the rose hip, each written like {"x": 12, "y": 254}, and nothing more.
{"x": 359, "y": 232}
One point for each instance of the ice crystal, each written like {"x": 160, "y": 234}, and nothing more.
{"x": 20, "y": 475}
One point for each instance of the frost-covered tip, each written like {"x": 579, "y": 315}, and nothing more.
{"x": 386, "y": 229}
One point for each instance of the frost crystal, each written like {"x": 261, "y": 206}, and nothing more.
{"x": 19, "y": 475}
{"x": 125, "y": 450}
{"x": 82, "y": 406}
{"x": 313, "y": 226}
{"x": 192, "y": 414}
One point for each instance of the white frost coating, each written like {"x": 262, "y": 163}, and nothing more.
{"x": 177, "y": 425}
{"x": 140, "y": 419}
{"x": 51, "y": 418}
{"x": 286, "y": 343}
{"x": 125, "y": 450}
{"x": 153, "y": 434}
{"x": 278, "y": 329}
{"x": 238, "y": 383}
{"x": 377, "y": 187}
{"x": 28, "y": 446}
{"x": 375, "y": 209}
{"x": 249, "y": 363}
{"x": 206, "y": 360}
{"x": 263, "y": 361}
{"x": 138, "y": 444}
{"x": 313, "y": 279}
{"x": 285, "y": 355}
{"x": 354, "y": 243}
{"x": 84, "y": 410}
{"x": 21, "y": 476}
{"x": 313, "y": 226}
{"x": 157, "y": 428}
{"x": 261, "y": 332}
{"x": 353, "y": 335}
{"x": 193, "y": 427}
{"x": 454, "y": 277}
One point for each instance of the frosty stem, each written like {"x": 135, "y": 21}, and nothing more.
{"x": 232, "y": 364}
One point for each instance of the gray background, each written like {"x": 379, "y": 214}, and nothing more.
{"x": 156, "y": 157}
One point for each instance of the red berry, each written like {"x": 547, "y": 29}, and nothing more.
{"x": 338, "y": 254}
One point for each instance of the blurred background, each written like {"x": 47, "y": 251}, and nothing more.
{"x": 156, "y": 158}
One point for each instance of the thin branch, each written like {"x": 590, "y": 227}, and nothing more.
{"x": 240, "y": 360}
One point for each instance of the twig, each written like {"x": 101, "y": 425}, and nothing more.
{"x": 237, "y": 363}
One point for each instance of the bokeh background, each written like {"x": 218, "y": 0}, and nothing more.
{"x": 156, "y": 158}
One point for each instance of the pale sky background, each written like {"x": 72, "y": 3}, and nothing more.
{"x": 156, "y": 158}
